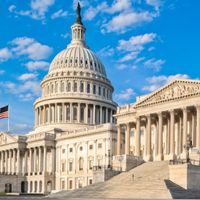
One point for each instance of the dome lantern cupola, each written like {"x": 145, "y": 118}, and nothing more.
{"x": 78, "y": 29}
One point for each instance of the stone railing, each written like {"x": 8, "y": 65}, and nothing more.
{"x": 41, "y": 136}
{"x": 125, "y": 109}
{"x": 87, "y": 129}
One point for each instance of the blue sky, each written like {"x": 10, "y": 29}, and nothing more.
{"x": 143, "y": 44}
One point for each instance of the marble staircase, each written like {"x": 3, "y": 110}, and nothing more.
{"x": 150, "y": 181}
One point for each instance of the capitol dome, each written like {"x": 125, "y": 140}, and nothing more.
{"x": 76, "y": 91}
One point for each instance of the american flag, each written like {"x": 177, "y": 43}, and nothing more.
{"x": 4, "y": 112}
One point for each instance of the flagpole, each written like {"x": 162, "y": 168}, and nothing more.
{"x": 8, "y": 118}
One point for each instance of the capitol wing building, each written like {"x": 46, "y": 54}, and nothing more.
{"x": 76, "y": 141}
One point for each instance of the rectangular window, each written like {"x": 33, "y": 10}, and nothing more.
{"x": 90, "y": 181}
{"x": 70, "y": 150}
{"x": 100, "y": 145}
{"x": 70, "y": 166}
{"x": 90, "y": 164}
{"x": 63, "y": 167}
{"x": 63, "y": 150}
{"x": 94, "y": 89}
{"x": 63, "y": 185}
{"x": 70, "y": 184}
{"x": 91, "y": 147}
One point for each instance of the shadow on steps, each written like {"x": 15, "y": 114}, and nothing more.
{"x": 178, "y": 192}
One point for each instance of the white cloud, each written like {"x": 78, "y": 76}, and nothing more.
{"x": 5, "y": 54}
{"x": 66, "y": 35}
{"x": 155, "y": 82}
{"x": 30, "y": 47}
{"x": 136, "y": 43}
{"x": 154, "y": 64}
{"x": 134, "y": 46}
{"x": 127, "y": 20}
{"x": 125, "y": 95}
{"x": 122, "y": 66}
{"x": 11, "y": 8}
{"x": 2, "y": 72}
{"x": 93, "y": 11}
{"x": 58, "y": 14}
{"x": 38, "y": 9}
{"x": 37, "y": 65}
{"x": 119, "y": 5}
{"x": 105, "y": 51}
{"x": 130, "y": 56}
{"x": 22, "y": 89}
{"x": 28, "y": 76}
{"x": 155, "y": 3}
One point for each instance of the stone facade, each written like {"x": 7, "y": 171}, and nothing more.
{"x": 157, "y": 125}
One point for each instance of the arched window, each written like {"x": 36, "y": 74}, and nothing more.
{"x": 81, "y": 163}
{"x": 99, "y": 90}
{"x": 75, "y": 87}
{"x": 60, "y": 113}
{"x": 68, "y": 87}
{"x": 52, "y": 88}
{"x": 47, "y": 115}
{"x": 68, "y": 113}
{"x": 47, "y": 89}
{"x": 94, "y": 89}
{"x": 62, "y": 87}
{"x": 74, "y": 113}
{"x": 81, "y": 87}
{"x": 82, "y": 114}
{"x": 56, "y": 87}
{"x": 104, "y": 92}
{"x": 88, "y": 88}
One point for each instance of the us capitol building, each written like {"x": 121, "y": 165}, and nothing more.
{"x": 76, "y": 140}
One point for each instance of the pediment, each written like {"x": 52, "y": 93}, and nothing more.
{"x": 178, "y": 89}
{"x": 6, "y": 138}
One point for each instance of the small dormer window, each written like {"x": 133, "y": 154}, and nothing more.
{"x": 76, "y": 61}
{"x": 65, "y": 61}
{"x": 81, "y": 61}
{"x": 70, "y": 60}
{"x": 86, "y": 62}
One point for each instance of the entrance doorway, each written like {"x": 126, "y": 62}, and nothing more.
{"x": 24, "y": 187}
{"x": 49, "y": 186}
{"x": 8, "y": 188}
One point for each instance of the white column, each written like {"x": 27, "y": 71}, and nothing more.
{"x": 71, "y": 112}
{"x": 6, "y": 161}
{"x": 86, "y": 113}
{"x": 198, "y": 127}
{"x": 30, "y": 161}
{"x": 184, "y": 126}
{"x": 35, "y": 160}
{"x": 94, "y": 114}
{"x": 40, "y": 160}
{"x": 53, "y": 160}
{"x": 25, "y": 161}
{"x": 18, "y": 162}
{"x": 78, "y": 113}
{"x": 127, "y": 139}
{"x": 118, "y": 140}
{"x": 14, "y": 161}
{"x": 45, "y": 159}
{"x": 137, "y": 137}
{"x": 180, "y": 135}
{"x": 0, "y": 161}
{"x": 148, "y": 137}
{"x": 101, "y": 116}
{"x": 160, "y": 136}
{"x": 172, "y": 135}
{"x": 193, "y": 130}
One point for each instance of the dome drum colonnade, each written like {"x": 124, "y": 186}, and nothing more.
{"x": 76, "y": 89}
{"x": 164, "y": 133}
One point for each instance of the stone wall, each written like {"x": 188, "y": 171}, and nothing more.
{"x": 185, "y": 175}
{"x": 14, "y": 180}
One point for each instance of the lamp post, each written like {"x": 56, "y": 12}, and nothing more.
{"x": 187, "y": 147}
